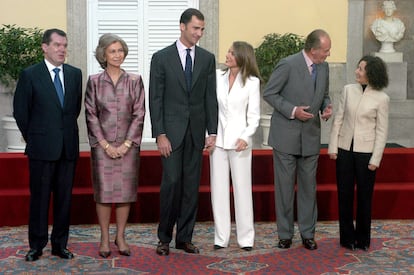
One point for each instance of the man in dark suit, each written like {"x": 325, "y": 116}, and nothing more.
{"x": 298, "y": 90}
{"x": 183, "y": 107}
{"x": 47, "y": 118}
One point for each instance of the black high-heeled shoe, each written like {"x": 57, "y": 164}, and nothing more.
{"x": 125, "y": 252}
{"x": 104, "y": 254}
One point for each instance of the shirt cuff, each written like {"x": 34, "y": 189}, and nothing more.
{"x": 292, "y": 116}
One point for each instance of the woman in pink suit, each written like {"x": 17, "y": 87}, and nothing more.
{"x": 114, "y": 106}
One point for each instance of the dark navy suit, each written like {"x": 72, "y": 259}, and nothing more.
{"x": 52, "y": 146}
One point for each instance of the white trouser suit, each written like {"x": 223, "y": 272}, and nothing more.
{"x": 221, "y": 162}
{"x": 239, "y": 115}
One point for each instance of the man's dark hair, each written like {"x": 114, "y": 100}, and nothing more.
{"x": 189, "y": 13}
{"x": 48, "y": 33}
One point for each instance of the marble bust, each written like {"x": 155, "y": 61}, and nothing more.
{"x": 389, "y": 29}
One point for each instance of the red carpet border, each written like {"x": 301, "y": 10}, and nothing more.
{"x": 391, "y": 252}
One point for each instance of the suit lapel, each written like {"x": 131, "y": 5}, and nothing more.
{"x": 45, "y": 78}
{"x": 307, "y": 77}
{"x": 198, "y": 61}
{"x": 318, "y": 72}
{"x": 319, "y": 91}
{"x": 68, "y": 84}
{"x": 238, "y": 83}
{"x": 303, "y": 71}
{"x": 313, "y": 91}
{"x": 175, "y": 62}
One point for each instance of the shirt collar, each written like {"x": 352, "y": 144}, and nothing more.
{"x": 182, "y": 48}
{"x": 50, "y": 66}
{"x": 307, "y": 59}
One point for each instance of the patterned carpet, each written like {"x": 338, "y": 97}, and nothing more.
{"x": 392, "y": 252}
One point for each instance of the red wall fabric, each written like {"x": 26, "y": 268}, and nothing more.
{"x": 393, "y": 193}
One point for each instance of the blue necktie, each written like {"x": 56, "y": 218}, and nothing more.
{"x": 313, "y": 73}
{"x": 58, "y": 85}
{"x": 188, "y": 70}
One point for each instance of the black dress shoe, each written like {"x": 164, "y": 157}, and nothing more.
{"x": 363, "y": 247}
{"x": 188, "y": 247}
{"x": 163, "y": 249}
{"x": 350, "y": 246}
{"x": 217, "y": 247}
{"x": 284, "y": 243}
{"x": 247, "y": 248}
{"x": 62, "y": 253}
{"x": 309, "y": 244}
{"x": 33, "y": 255}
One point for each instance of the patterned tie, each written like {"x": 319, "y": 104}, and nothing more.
{"x": 188, "y": 70}
{"x": 58, "y": 85}
{"x": 313, "y": 73}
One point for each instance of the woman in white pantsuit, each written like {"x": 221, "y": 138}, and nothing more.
{"x": 238, "y": 96}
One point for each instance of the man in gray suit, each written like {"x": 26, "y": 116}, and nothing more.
{"x": 298, "y": 91}
{"x": 183, "y": 108}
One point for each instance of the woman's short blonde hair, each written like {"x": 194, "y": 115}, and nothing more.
{"x": 105, "y": 41}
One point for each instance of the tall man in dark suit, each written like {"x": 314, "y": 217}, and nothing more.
{"x": 298, "y": 91}
{"x": 47, "y": 118}
{"x": 183, "y": 107}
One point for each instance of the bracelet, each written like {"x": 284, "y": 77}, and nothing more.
{"x": 106, "y": 146}
{"x": 127, "y": 144}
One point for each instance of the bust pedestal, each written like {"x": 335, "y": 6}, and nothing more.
{"x": 397, "y": 75}
{"x": 390, "y": 57}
